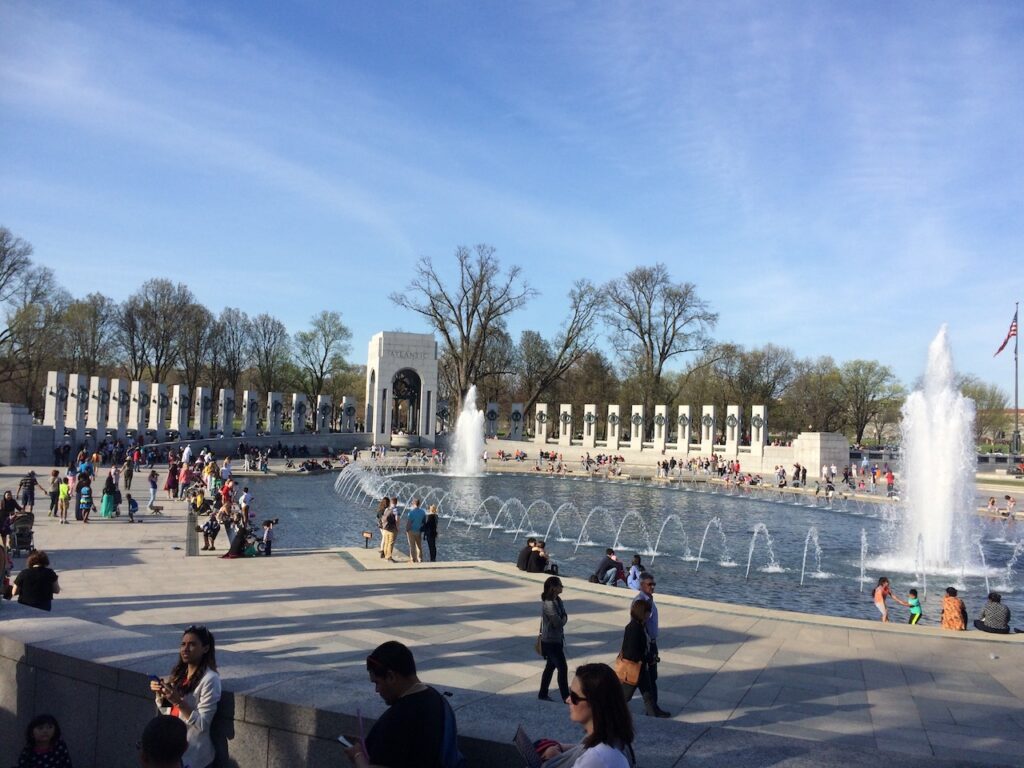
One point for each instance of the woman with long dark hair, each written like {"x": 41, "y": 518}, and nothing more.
{"x": 191, "y": 692}
{"x": 636, "y": 648}
{"x": 552, "y": 638}
{"x": 596, "y": 703}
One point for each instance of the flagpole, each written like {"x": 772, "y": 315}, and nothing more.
{"x": 1016, "y": 389}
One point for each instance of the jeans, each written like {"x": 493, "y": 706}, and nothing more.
{"x": 554, "y": 653}
{"x": 152, "y": 497}
{"x": 432, "y": 546}
{"x": 608, "y": 577}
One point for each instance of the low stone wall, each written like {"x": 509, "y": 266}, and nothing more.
{"x": 94, "y": 680}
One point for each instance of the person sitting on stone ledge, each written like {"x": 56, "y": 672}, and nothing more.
{"x": 995, "y": 617}
{"x": 418, "y": 729}
{"x": 523, "y": 560}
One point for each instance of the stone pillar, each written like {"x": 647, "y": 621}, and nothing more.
{"x": 540, "y": 424}
{"x": 159, "y": 407}
{"x": 348, "y": 414}
{"x": 117, "y": 415}
{"x": 758, "y": 430}
{"x": 78, "y": 404}
{"x": 250, "y": 412}
{"x": 636, "y": 428}
{"x": 99, "y": 401}
{"x": 275, "y": 408}
{"x": 322, "y": 418}
{"x": 138, "y": 407}
{"x": 614, "y": 425}
{"x": 515, "y": 430}
{"x": 226, "y": 412}
{"x": 491, "y": 420}
{"x": 179, "y": 410}
{"x": 202, "y": 405}
{"x": 707, "y": 429}
{"x": 565, "y": 424}
{"x": 685, "y": 423}
{"x": 56, "y": 409}
{"x": 733, "y": 430}
{"x": 590, "y": 425}
{"x": 300, "y": 407}
{"x": 660, "y": 427}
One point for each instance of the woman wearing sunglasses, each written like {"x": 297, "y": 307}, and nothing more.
{"x": 595, "y": 701}
{"x": 191, "y": 692}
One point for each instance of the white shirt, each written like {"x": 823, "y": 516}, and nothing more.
{"x": 245, "y": 499}
{"x": 602, "y": 756}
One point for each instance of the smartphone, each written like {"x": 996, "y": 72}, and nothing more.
{"x": 155, "y": 679}
{"x": 344, "y": 742}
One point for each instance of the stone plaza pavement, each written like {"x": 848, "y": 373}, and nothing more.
{"x": 747, "y": 687}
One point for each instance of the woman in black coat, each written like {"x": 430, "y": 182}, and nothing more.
{"x": 636, "y": 647}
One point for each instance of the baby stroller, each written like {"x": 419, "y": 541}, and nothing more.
{"x": 22, "y": 535}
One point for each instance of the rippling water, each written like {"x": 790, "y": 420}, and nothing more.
{"x": 314, "y": 515}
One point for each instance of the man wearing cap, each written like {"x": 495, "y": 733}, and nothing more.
{"x": 27, "y": 491}
{"x": 418, "y": 729}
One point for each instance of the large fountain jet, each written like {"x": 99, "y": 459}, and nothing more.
{"x": 938, "y": 464}
{"x": 469, "y": 439}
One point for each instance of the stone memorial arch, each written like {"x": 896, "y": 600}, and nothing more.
{"x": 401, "y": 389}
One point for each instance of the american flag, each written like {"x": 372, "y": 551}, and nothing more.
{"x": 1010, "y": 334}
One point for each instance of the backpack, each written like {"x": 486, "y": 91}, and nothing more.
{"x": 451, "y": 757}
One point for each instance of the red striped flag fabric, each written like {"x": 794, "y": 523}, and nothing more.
{"x": 1012, "y": 332}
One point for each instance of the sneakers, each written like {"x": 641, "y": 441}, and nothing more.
{"x": 544, "y": 697}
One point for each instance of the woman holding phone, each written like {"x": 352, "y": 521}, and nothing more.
{"x": 192, "y": 692}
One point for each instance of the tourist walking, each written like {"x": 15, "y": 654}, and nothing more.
{"x": 646, "y": 593}
{"x": 27, "y": 490}
{"x": 430, "y": 532}
{"x": 192, "y": 692}
{"x": 54, "y": 493}
{"x": 595, "y": 702}
{"x": 954, "y": 612}
{"x": 36, "y": 585}
{"x": 635, "y": 657}
{"x": 108, "y": 499}
{"x": 9, "y": 509}
{"x": 153, "y": 479}
{"x": 128, "y": 472}
{"x": 552, "y": 638}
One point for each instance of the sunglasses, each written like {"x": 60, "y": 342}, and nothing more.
{"x": 575, "y": 698}
{"x": 196, "y": 629}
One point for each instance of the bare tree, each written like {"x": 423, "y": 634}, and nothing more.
{"x": 196, "y": 327}
{"x": 90, "y": 326}
{"x": 35, "y": 332}
{"x": 654, "y": 320}
{"x": 269, "y": 350}
{"x": 547, "y": 363}
{"x": 320, "y": 351}
{"x": 465, "y": 311}
{"x": 15, "y": 261}
{"x": 130, "y": 341}
{"x": 230, "y": 342}
{"x": 148, "y": 325}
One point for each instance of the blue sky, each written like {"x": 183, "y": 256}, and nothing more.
{"x": 840, "y": 178}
